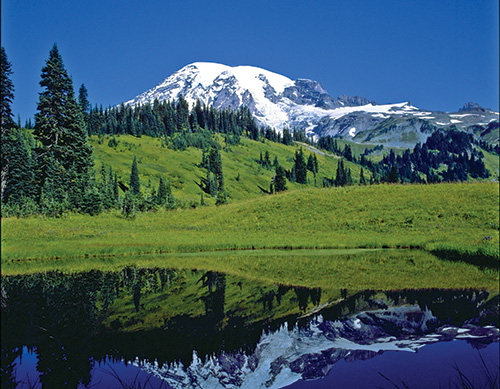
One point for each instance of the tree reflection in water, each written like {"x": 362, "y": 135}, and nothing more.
{"x": 66, "y": 317}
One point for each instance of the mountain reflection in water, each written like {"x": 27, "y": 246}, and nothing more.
{"x": 194, "y": 328}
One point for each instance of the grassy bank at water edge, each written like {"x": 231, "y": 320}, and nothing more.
{"x": 457, "y": 218}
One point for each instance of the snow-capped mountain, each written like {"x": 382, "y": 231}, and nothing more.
{"x": 278, "y": 101}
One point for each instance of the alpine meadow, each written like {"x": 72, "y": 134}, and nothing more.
{"x": 233, "y": 227}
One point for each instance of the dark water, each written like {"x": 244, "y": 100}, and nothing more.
{"x": 174, "y": 328}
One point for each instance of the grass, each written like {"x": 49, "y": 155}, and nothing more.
{"x": 491, "y": 163}
{"x": 181, "y": 169}
{"x": 461, "y": 219}
{"x": 382, "y": 269}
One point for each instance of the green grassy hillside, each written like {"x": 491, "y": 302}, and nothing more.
{"x": 461, "y": 217}
{"x": 181, "y": 169}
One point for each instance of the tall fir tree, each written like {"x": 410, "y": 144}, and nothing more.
{"x": 6, "y": 121}
{"x": 6, "y": 92}
{"x": 19, "y": 185}
{"x": 362, "y": 180}
{"x": 182, "y": 114}
{"x": 135, "y": 183}
{"x": 83, "y": 103}
{"x": 60, "y": 131}
{"x": 393, "y": 176}
{"x": 316, "y": 167}
{"x": 341, "y": 177}
{"x": 161, "y": 194}
{"x": 280, "y": 179}
{"x": 300, "y": 167}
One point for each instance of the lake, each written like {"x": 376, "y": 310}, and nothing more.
{"x": 161, "y": 327}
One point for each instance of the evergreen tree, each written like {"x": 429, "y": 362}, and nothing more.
{"x": 215, "y": 161}
{"x": 280, "y": 179}
{"x": 128, "y": 204}
{"x": 348, "y": 177}
{"x": 135, "y": 183}
{"x": 393, "y": 175}
{"x": 348, "y": 153}
{"x": 171, "y": 202}
{"x": 53, "y": 196}
{"x": 310, "y": 164}
{"x": 287, "y": 137}
{"x": 211, "y": 184}
{"x": 83, "y": 103}
{"x": 182, "y": 114}
{"x": 362, "y": 180}
{"x": 6, "y": 93}
{"x": 6, "y": 121}
{"x": 300, "y": 167}
{"x": 19, "y": 185}
{"x": 115, "y": 188}
{"x": 267, "y": 160}
{"x": 161, "y": 195}
{"x": 60, "y": 130}
{"x": 221, "y": 195}
{"x": 341, "y": 177}
{"x": 106, "y": 189}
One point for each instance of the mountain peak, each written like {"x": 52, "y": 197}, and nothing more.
{"x": 470, "y": 106}
{"x": 274, "y": 100}
{"x": 353, "y": 101}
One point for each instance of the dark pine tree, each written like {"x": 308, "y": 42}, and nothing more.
{"x": 341, "y": 177}
{"x": 287, "y": 137}
{"x": 393, "y": 175}
{"x": 6, "y": 93}
{"x": 362, "y": 180}
{"x": 280, "y": 179}
{"x": 161, "y": 195}
{"x": 19, "y": 185}
{"x": 83, "y": 103}
{"x": 135, "y": 183}
{"x": 300, "y": 167}
{"x": 60, "y": 131}
{"x": 6, "y": 121}
{"x": 182, "y": 114}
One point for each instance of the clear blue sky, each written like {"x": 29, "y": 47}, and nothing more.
{"x": 436, "y": 54}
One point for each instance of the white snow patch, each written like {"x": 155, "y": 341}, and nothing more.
{"x": 397, "y": 109}
{"x": 454, "y": 121}
{"x": 462, "y": 115}
{"x": 442, "y": 124}
{"x": 352, "y": 131}
{"x": 207, "y": 72}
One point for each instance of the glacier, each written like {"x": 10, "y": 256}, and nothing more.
{"x": 280, "y": 102}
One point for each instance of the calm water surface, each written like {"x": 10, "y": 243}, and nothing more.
{"x": 167, "y": 328}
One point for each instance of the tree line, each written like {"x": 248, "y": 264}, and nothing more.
{"x": 51, "y": 170}
{"x": 448, "y": 155}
